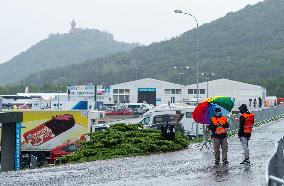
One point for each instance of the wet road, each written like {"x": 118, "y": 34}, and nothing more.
{"x": 186, "y": 167}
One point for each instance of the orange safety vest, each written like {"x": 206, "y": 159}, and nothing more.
{"x": 219, "y": 121}
{"x": 249, "y": 121}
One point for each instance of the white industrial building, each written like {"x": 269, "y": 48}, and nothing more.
{"x": 240, "y": 92}
{"x": 160, "y": 92}
{"x": 148, "y": 90}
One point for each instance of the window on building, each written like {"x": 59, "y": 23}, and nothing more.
{"x": 115, "y": 99}
{"x": 99, "y": 98}
{"x": 178, "y": 91}
{"x": 172, "y": 91}
{"x": 126, "y": 91}
{"x": 168, "y": 91}
{"x": 126, "y": 99}
{"x": 194, "y": 91}
{"x": 115, "y": 91}
{"x": 121, "y": 91}
{"x": 121, "y": 98}
{"x": 190, "y": 91}
{"x": 173, "y": 99}
{"x": 188, "y": 114}
{"x": 201, "y": 91}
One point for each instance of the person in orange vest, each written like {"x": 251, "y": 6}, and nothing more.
{"x": 219, "y": 126}
{"x": 246, "y": 121}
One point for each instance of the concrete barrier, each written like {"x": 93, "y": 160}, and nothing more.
{"x": 11, "y": 140}
{"x": 275, "y": 166}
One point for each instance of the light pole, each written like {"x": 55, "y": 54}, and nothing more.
{"x": 181, "y": 73}
{"x": 57, "y": 99}
{"x": 58, "y": 91}
{"x": 197, "y": 49}
{"x": 207, "y": 76}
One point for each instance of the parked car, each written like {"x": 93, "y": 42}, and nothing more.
{"x": 138, "y": 108}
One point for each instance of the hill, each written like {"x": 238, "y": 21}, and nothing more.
{"x": 247, "y": 46}
{"x": 59, "y": 50}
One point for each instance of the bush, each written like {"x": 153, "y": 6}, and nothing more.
{"x": 122, "y": 140}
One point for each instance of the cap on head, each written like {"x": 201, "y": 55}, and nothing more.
{"x": 243, "y": 108}
{"x": 218, "y": 112}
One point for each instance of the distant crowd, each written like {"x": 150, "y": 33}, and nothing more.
{"x": 256, "y": 102}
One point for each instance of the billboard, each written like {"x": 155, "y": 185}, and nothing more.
{"x": 44, "y": 130}
{"x": 81, "y": 92}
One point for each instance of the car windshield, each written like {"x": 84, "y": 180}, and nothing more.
{"x": 133, "y": 106}
{"x": 71, "y": 148}
{"x": 145, "y": 121}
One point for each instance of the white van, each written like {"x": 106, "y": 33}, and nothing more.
{"x": 138, "y": 108}
{"x": 189, "y": 125}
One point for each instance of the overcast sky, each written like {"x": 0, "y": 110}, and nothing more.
{"x": 25, "y": 22}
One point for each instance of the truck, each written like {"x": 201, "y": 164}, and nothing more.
{"x": 48, "y": 135}
{"x": 184, "y": 115}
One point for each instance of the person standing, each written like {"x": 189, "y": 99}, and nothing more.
{"x": 246, "y": 121}
{"x": 259, "y": 102}
{"x": 218, "y": 127}
{"x": 254, "y": 103}
{"x": 250, "y": 100}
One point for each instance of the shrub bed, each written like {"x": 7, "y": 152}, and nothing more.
{"x": 122, "y": 140}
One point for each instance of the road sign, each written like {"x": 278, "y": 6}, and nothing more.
{"x": 81, "y": 92}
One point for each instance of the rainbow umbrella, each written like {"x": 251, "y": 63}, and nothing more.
{"x": 204, "y": 111}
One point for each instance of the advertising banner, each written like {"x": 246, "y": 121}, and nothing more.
{"x": 44, "y": 130}
{"x": 18, "y": 147}
{"x": 81, "y": 92}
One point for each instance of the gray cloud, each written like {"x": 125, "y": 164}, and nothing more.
{"x": 23, "y": 23}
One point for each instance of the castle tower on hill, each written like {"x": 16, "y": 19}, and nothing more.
{"x": 73, "y": 27}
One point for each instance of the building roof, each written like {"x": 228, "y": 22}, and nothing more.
{"x": 45, "y": 96}
{"x": 227, "y": 81}
{"x": 150, "y": 80}
{"x": 217, "y": 81}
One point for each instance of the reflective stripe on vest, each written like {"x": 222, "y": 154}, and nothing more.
{"x": 249, "y": 121}
{"x": 219, "y": 121}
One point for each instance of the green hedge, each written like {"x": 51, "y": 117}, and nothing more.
{"x": 122, "y": 140}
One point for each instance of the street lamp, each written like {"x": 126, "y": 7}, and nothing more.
{"x": 58, "y": 91}
{"x": 58, "y": 102}
{"x": 207, "y": 76}
{"x": 197, "y": 48}
{"x": 181, "y": 73}
{"x": 184, "y": 68}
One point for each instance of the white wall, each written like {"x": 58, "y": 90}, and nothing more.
{"x": 149, "y": 83}
{"x": 242, "y": 92}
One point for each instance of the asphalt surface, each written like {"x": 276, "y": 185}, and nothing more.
{"x": 187, "y": 167}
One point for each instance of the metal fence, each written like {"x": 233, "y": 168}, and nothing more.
{"x": 267, "y": 114}
{"x": 275, "y": 167}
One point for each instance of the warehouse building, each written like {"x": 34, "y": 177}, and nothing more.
{"x": 158, "y": 92}
{"x": 240, "y": 92}
{"x": 147, "y": 90}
